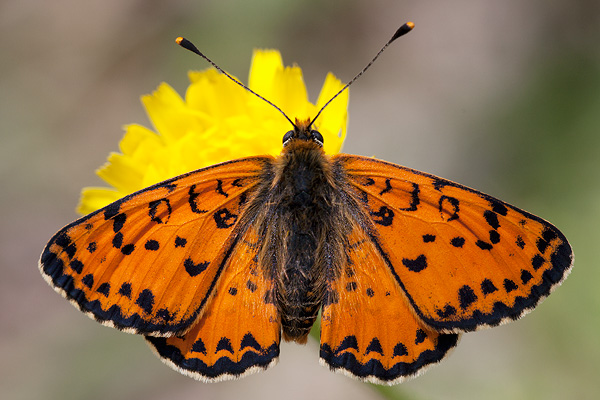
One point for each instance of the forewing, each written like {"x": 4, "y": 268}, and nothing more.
{"x": 149, "y": 262}
{"x": 239, "y": 332}
{"x": 463, "y": 259}
{"x": 368, "y": 330}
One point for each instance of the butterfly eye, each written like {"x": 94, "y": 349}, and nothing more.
{"x": 287, "y": 137}
{"x": 317, "y": 137}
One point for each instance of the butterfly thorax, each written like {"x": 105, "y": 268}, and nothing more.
{"x": 302, "y": 244}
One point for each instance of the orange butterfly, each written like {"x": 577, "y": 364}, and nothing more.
{"x": 213, "y": 266}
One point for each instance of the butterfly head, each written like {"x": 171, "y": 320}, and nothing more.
{"x": 303, "y": 131}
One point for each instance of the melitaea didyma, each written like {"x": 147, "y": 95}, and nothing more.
{"x": 215, "y": 265}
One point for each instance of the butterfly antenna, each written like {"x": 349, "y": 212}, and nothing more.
{"x": 403, "y": 30}
{"x": 186, "y": 44}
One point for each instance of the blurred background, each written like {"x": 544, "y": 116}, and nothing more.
{"x": 500, "y": 96}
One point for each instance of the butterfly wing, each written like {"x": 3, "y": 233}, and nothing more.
{"x": 149, "y": 262}
{"x": 463, "y": 259}
{"x": 368, "y": 330}
{"x": 239, "y": 332}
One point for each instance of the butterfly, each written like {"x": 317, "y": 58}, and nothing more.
{"x": 216, "y": 266}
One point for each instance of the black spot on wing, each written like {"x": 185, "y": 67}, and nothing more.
{"x": 249, "y": 341}
{"x": 119, "y": 221}
{"x": 374, "y": 346}
{"x": 224, "y": 218}
{"x": 152, "y": 245}
{"x": 104, "y": 289}
{"x": 238, "y": 182}
{"x": 509, "y": 285}
{"x": 63, "y": 240}
{"x": 400, "y": 350}
{"x": 416, "y": 265}
{"x": 525, "y": 276}
{"x": 428, "y": 238}
{"x": 388, "y": 187}
{"x": 549, "y": 235}
{"x": 498, "y": 207}
{"x": 368, "y": 182}
{"x": 537, "y": 261}
{"x": 487, "y": 287}
{"x": 466, "y": 296}
{"x": 224, "y": 344}
{"x": 483, "y": 245}
{"x": 71, "y": 249}
{"x": 125, "y": 290}
{"x": 160, "y": 211}
{"x": 420, "y": 336}
{"x": 199, "y": 347}
{"x": 76, "y": 265}
{"x": 180, "y": 242}
{"x": 491, "y": 218}
{"x": 543, "y": 242}
{"x": 220, "y": 188}
{"x": 454, "y": 203}
{"x": 414, "y": 198}
{"x": 193, "y": 201}
{"x": 88, "y": 280}
{"x": 117, "y": 241}
{"x": 383, "y": 217}
{"x": 112, "y": 210}
{"x": 457, "y": 241}
{"x": 448, "y": 311}
{"x": 92, "y": 247}
{"x": 146, "y": 300}
{"x": 349, "y": 342}
{"x": 494, "y": 237}
{"x": 351, "y": 286}
{"x": 194, "y": 269}
{"x": 128, "y": 249}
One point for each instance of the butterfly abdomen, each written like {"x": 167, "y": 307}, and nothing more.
{"x": 299, "y": 218}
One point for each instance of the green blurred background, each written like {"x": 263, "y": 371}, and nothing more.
{"x": 502, "y": 96}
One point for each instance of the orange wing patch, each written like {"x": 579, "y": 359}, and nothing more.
{"x": 368, "y": 330}
{"x": 463, "y": 259}
{"x": 149, "y": 262}
{"x": 239, "y": 333}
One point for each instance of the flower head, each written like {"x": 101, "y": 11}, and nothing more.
{"x": 217, "y": 121}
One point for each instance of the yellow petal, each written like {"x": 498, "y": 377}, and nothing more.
{"x": 215, "y": 95}
{"x": 265, "y": 65}
{"x": 94, "y": 198}
{"x": 122, "y": 173}
{"x": 140, "y": 143}
{"x": 334, "y": 119}
{"x": 168, "y": 112}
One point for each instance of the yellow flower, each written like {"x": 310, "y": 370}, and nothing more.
{"x": 218, "y": 121}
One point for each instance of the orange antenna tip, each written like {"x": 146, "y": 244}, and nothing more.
{"x": 403, "y": 30}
